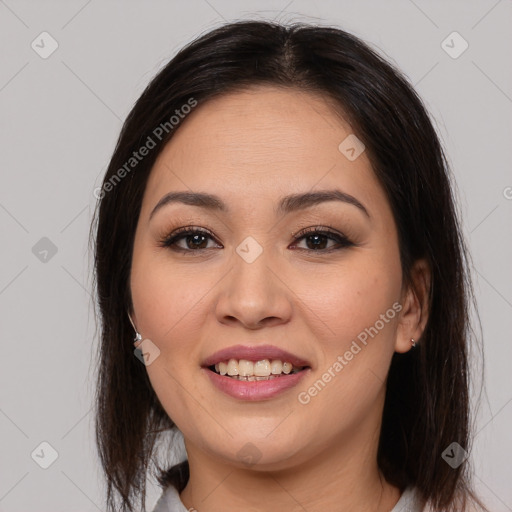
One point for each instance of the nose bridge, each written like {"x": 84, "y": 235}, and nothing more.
{"x": 252, "y": 291}
{"x": 251, "y": 268}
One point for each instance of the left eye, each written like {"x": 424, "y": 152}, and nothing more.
{"x": 197, "y": 240}
{"x": 318, "y": 237}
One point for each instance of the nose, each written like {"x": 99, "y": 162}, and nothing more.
{"x": 254, "y": 294}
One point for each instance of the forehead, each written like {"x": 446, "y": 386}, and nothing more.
{"x": 259, "y": 144}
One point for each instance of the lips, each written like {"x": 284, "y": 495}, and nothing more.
{"x": 254, "y": 353}
{"x": 256, "y": 390}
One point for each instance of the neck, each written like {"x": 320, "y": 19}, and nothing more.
{"x": 343, "y": 476}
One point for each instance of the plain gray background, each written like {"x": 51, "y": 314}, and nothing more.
{"x": 60, "y": 118}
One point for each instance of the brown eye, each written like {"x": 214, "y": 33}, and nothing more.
{"x": 194, "y": 239}
{"x": 189, "y": 239}
{"x": 317, "y": 238}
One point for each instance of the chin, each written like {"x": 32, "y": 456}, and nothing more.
{"x": 256, "y": 452}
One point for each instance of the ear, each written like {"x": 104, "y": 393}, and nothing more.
{"x": 415, "y": 307}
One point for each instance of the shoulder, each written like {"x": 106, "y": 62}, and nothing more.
{"x": 409, "y": 501}
{"x": 470, "y": 507}
{"x": 170, "y": 501}
{"x": 462, "y": 505}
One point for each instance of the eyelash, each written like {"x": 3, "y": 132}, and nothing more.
{"x": 344, "y": 242}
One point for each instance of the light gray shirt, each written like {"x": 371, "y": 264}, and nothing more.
{"x": 170, "y": 502}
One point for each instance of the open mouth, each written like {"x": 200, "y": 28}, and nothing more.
{"x": 261, "y": 370}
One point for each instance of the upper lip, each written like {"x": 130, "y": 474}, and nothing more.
{"x": 254, "y": 353}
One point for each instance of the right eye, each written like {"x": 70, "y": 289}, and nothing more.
{"x": 195, "y": 239}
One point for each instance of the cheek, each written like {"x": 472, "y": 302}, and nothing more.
{"x": 349, "y": 298}
{"x": 170, "y": 314}
{"x": 358, "y": 322}
{"x": 165, "y": 298}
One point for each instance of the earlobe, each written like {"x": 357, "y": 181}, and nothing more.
{"x": 414, "y": 315}
{"x": 402, "y": 347}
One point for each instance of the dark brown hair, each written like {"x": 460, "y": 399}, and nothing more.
{"x": 427, "y": 397}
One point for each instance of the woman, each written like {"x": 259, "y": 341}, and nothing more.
{"x": 277, "y": 229}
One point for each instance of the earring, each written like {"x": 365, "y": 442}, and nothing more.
{"x": 413, "y": 343}
{"x": 138, "y": 336}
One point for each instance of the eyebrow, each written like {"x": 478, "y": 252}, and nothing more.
{"x": 286, "y": 204}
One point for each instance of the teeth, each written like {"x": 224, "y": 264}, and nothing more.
{"x": 287, "y": 367}
{"x": 264, "y": 369}
{"x": 277, "y": 367}
{"x": 253, "y": 377}
{"x": 245, "y": 368}
{"x": 232, "y": 367}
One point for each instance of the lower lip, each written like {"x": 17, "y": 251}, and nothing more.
{"x": 256, "y": 389}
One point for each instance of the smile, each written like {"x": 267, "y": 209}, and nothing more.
{"x": 265, "y": 369}
{"x": 253, "y": 387}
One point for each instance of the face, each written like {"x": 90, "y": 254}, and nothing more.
{"x": 320, "y": 280}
